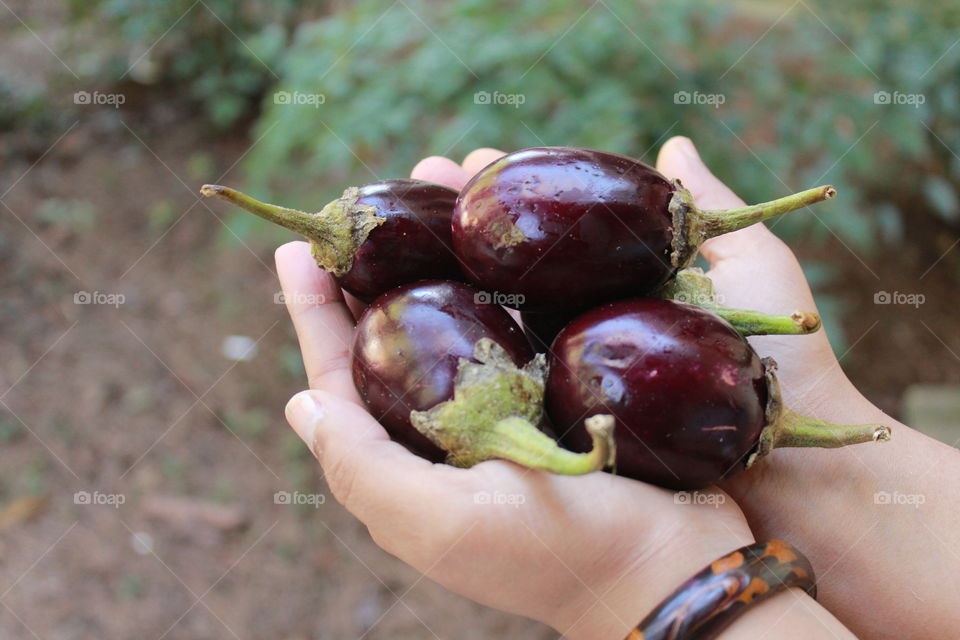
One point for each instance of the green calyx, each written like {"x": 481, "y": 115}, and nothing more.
{"x": 787, "y": 428}
{"x": 693, "y": 226}
{"x": 335, "y": 232}
{"x": 693, "y": 286}
{"x": 495, "y": 413}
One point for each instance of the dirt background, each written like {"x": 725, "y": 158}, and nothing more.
{"x": 139, "y": 401}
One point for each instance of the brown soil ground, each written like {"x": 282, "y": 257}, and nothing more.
{"x": 139, "y": 401}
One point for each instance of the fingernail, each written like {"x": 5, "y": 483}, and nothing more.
{"x": 304, "y": 414}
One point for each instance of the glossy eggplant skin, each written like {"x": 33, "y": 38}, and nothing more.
{"x": 688, "y": 393}
{"x": 413, "y": 244}
{"x": 407, "y": 347}
{"x": 565, "y": 228}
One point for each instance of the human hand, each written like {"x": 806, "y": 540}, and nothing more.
{"x": 823, "y": 501}
{"x": 589, "y": 555}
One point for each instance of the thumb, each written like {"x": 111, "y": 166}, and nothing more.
{"x": 753, "y": 269}
{"x": 679, "y": 159}
{"x": 367, "y": 472}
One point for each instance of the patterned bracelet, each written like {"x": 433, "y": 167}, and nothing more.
{"x": 707, "y": 603}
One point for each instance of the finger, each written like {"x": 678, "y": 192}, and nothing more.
{"x": 440, "y": 170}
{"x": 376, "y": 479}
{"x": 322, "y": 320}
{"x": 738, "y": 257}
{"x": 678, "y": 158}
{"x": 752, "y": 255}
{"x": 480, "y": 158}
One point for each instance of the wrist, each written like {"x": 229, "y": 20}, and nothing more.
{"x": 744, "y": 593}
{"x": 788, "y": 615}
{"x": 609, "y": 608}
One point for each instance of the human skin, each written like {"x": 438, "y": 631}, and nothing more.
{"x": 876, "y": 563}
{"x": 591, "y": 568}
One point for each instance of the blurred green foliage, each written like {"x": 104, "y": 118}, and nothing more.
{"x": 130, "y": 587}
{"x": 218, "y": 53}
{"x": 10, "y": 430}
{"x": 799, "y": 86}
{"x": 68, "y": 216}
{"x": 248, "y": 424}
{"x": 18, "y": 107}
{"x": 778, "y": 95}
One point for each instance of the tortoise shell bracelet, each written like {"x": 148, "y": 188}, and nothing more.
{"x": 707, "y": 603}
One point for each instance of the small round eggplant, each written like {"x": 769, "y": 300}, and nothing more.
{"x": 375, "y": 237}
{"x": 562, "y": 228}
{"x": 407, "y": 349}
{"x": 693, "y": 402}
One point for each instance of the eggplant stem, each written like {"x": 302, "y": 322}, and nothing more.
{"x": 787, "y": 428}
{"x": 517, "y": 440}
{"x": 693, "y": 226}
{"x": 293, "y": 219}
{"x": 693, "y": 286}
{"x": 756, "y": 323}
{"x": 495, "y": 412}
{"x": 716, "y": 222}
{"x": 796, "y": 430}
{"x": 335, "y": 232}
